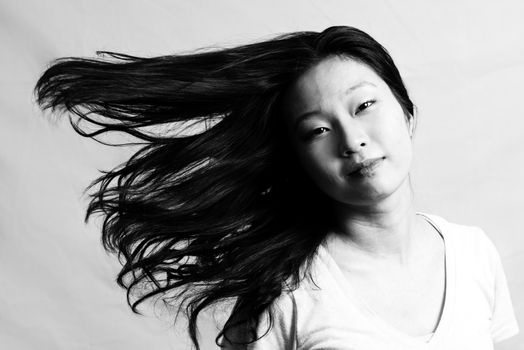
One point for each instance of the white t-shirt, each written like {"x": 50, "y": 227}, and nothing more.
{"x": 477, "y": 309}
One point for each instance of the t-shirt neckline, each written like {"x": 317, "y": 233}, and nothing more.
{"x": 449, "y": 294}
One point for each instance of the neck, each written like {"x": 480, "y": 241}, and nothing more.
{"x": 383, "y": 229}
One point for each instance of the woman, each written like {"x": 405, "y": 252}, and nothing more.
{"x": 294, "y": 202}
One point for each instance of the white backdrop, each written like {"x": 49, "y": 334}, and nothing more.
{"x": 463, "y": 63}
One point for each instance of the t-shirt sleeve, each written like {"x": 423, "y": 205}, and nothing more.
{"x": 503, "y": 322}
{"x": 282, "y": 334}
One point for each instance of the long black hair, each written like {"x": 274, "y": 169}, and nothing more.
{"x": 224, "y": 212}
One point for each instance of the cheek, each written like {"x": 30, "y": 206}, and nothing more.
{"x": 393, "y": 135}
{"x": 312, "y": 164}
{"x": 318, "y": 164}
{"x": 400, "y": 144}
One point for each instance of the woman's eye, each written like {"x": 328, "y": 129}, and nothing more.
{"x": 364, "y": 105}
{"x": 319, "y": 131}
{"x": 315, "y": 132}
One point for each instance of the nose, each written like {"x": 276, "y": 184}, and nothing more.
{"x": 352, "y": 139}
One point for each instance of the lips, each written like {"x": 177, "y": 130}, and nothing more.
{"x": 366, "y": 167}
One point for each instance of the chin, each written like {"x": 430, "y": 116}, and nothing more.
{"x": 369, "y": 192}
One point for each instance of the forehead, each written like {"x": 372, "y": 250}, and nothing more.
{"x": 329, "y": 79}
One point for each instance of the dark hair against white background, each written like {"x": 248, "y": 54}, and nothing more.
{"x": 462, "y": 65}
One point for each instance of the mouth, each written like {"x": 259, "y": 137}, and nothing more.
{"x": 366, "y": 168}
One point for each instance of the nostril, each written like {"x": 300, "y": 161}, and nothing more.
{"x": 348, "y": 150}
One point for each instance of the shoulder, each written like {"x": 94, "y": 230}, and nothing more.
{"x": 479, "y": 276}
{"x": 470, "y": 245}
{"x": 461, "y": 236}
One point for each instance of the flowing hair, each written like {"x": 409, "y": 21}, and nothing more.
{"x": 222, "y": 213}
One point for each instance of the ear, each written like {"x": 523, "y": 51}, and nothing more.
{"x": 412, "y": 121}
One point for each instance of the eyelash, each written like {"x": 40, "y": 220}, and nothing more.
{"x": 316, "y": 131}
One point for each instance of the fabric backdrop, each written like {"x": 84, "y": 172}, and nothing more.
{"x": 463, "y": 63}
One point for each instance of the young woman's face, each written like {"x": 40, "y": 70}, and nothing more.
{"x": 349, "y": 131}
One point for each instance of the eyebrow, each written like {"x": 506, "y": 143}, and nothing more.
{"x": 347, "y": 92}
